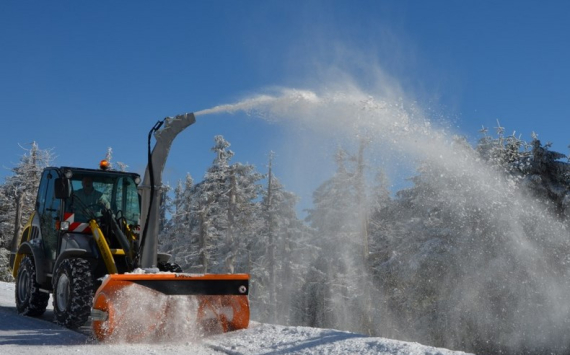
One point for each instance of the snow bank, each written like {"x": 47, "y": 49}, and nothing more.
{"x": 276, "y": 339}
{"x": 23, "y": 335}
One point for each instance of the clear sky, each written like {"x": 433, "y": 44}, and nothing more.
{"x": 81, "y": 76}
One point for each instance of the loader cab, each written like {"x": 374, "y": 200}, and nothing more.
{"x": 63, "y": 208}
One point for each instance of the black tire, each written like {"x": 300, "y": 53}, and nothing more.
{"x": 72, "y": 293}
{"x": 30, "y": 301}
{"x": 170, "y": 267}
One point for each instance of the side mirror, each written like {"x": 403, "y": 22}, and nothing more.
{"x": 61, "y": 188}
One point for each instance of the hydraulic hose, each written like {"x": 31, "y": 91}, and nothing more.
{"x": 155, "y": 128}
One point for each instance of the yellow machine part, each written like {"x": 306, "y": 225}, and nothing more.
{"x": 104, "y": 249}
{"x": 137, "y": 307}
{"x": 25, "y": 238}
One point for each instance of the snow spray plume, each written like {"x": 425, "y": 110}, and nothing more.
{"x": 166, "y": 318}
{"x": 472, "y": 261}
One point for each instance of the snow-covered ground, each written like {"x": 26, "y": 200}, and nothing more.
{"x": 23, "y": 335}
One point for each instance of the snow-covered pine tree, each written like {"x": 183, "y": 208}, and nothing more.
{"x": 334, "y": 279}
{"x": 548, "y": 177}
{"x": 379, "y": 202}
{"x": 20, "y": 190}
{"x": 6, "y": 230}
{"x": 181, "y": 241}
{"x": 278, "y": 253}
{"x": 224, "y": 209}
{"x": 508, "y": 154}
{"x": 5, "y": 272}
{"x": 211, "y": 208}
{"x": 378, "y": 235}
{"x": 243, "y": 214}
{"x": 466, "y": 257}
{"x": 6, "y": 219}
{"x": 109, "y": 157}
{"x": 165, "y": 209}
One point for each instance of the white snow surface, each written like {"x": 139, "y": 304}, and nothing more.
{"x": 25, "y": 335}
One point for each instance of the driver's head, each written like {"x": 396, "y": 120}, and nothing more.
{"x": 87, "y": 183}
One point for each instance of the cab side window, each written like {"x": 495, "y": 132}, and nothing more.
{"x": 49, "y": 210}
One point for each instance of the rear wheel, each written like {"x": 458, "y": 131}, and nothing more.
{"x": 72, "y": 293}
{"x": 30, "y": 301}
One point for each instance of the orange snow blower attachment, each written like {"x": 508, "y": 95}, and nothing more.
{"x": 135, "y": 307}
{"x": 142, "y": 303}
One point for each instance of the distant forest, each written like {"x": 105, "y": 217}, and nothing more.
{"x": 473, "y": 256}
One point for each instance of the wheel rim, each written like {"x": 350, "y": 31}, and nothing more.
{"x": 23, "y": 285}
{"x": 62, "y": 292}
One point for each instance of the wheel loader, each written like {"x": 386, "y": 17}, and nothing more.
{"x": 92, "y": 243}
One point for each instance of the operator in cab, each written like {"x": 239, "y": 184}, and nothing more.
{"x": 89, "y": 198}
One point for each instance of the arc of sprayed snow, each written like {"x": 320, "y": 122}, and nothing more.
{"x": 256, "y": 103}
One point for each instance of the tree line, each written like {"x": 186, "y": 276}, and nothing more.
{"x": 473, "y": 255}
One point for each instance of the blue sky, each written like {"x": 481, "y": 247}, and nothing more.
{"x": 81, "y": 76}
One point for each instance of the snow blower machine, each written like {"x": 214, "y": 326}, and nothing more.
{"x": 92, "y": 243}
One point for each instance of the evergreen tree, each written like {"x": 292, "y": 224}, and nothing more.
{"x": 221, "y": 212}
{"x": 465, "y": 255}
{"x": 180, "y": 240}
{"x": 548, "y": 177}
{"x": 6, "y": 227}
{"x": 165, "y": 210}
{"x": 278, "y": 253}
{"x": 19, "y": 194}
{"x": 109, "y": 157}
{"x": 335, "y": 278}
{"x": 5, "y": 272}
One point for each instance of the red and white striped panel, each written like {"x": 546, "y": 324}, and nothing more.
{"x": 77, "y": 227}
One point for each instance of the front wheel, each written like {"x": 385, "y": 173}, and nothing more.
{"x": 30, "y": 301}
{"x": 72, "y": 292}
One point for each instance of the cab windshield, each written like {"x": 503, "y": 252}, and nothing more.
{"x": 93, "y": 193}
